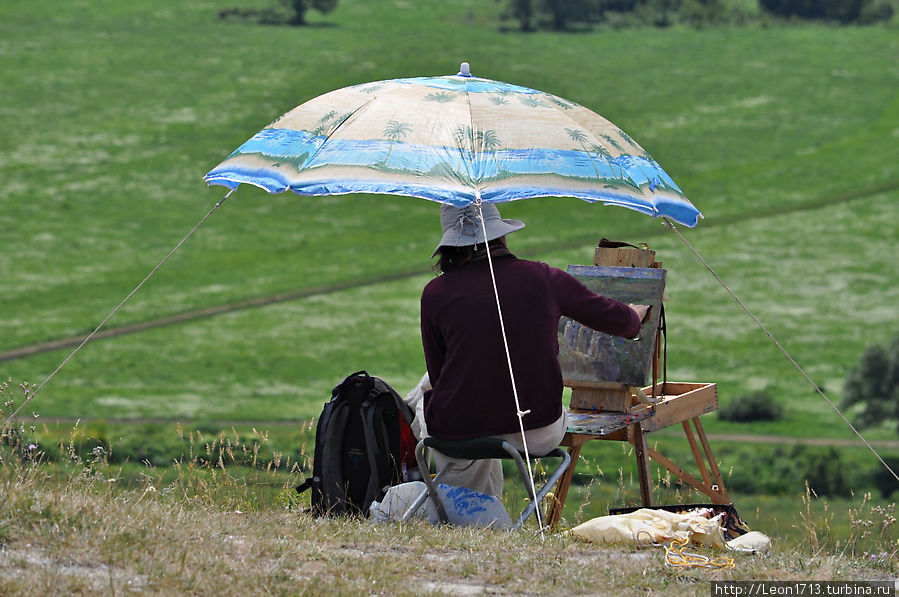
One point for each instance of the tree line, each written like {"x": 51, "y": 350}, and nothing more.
{"x": 561, "y": 15}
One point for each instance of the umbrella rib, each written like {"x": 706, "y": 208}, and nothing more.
{"x": 477, "y": 183}
{"x": 336, "y": 128}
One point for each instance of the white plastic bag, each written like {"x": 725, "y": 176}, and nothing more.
{"x": 464, "y": 507}
{"x": 415, "y": 400}
{"x": 752, "y": 542}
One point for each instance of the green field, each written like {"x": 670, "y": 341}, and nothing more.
{"x": 784, "y": 137}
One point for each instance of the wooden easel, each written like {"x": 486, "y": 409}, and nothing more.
{"x": 616, "y": 412}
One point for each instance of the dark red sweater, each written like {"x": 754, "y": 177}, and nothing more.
{"x": 460, "y": 331}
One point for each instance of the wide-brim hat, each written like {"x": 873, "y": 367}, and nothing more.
{"x": 462, "y": 225}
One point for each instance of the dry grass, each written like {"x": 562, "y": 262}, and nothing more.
{"x": 80, "y": 531}
{"x": 210, "y": 527}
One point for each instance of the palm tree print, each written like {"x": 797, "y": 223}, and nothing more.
{"x": 612, "y": 142}
{"x": 600, "y": 151}
{"x": 558, "y": 102}
{"x": 607, "y": 156}
{"x": 441, "y": 97}
{"x": 529, "y": 100}
{"x": 499, "y": 100}
{"x": 488, "y": 141}
{"x": 324, "y": 128}
{"x": 464, "y": 139}
{"x": 580, "y": 137}
{"x": 627, "y": 138}
{"x": 343, "y": 118}
{"x": 370, "y": 87}
{"x": 395, "y": 131}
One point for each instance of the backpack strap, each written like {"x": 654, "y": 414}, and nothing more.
{"x": 315, "y": 479}
{"x": 332, "y": 484}
{"x": 361, "y": 373}
{"x": 383, "y": 387}
{"x": 372, "y": 449}
{"x": 377, "y": 443}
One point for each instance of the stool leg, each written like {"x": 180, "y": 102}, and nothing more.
{"x": 422, "y": 461}
{"x": 553, "y": 479}
{"x": 423, "y": 496}
{"x": 525, "y": 478}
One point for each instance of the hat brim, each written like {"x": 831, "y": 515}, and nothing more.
{"x": 496, "y": 228}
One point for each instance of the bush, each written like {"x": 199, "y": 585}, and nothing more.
{"x": 299, "y": 8}
{"x": 758, "y": 406}
{"x": 288, "y": 12}
{"x": 785, "y": 470}
{"x": 884, "y": 479}
{"x": 564, "y": 15}
{"x": 874, "y": 382}
{"x": 843, "y": 11}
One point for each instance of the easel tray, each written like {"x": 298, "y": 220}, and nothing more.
{"x": 678, "y": 402}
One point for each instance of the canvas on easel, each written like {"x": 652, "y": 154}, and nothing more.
{"x": 598, "y": 361}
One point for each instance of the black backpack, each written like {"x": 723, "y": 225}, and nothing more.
{"x": 363, "y": 445}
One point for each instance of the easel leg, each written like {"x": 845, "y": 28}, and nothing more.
{"x": 696, "y": 455}
{"x": 711, "y": 458}
{"x": 558, "y": 502}
{"x": 642, "y": 452}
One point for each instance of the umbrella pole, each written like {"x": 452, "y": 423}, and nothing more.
{"x": 808, "y": 378}
{"x": 502, "y": 327}
{"x": 30, "y": 396}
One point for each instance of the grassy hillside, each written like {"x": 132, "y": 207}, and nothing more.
{"x": 784, "y": 137}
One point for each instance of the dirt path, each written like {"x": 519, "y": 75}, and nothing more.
{"x": 655, "y": 230}
{"x": 743, "y": 438}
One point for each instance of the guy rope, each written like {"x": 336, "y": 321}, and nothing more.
{"x": 816, "y": 387}
{"x": 29, "y": 396}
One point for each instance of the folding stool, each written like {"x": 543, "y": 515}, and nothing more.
{"x": 480, "y": 449}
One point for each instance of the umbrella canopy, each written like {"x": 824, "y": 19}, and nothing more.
{"x": 453, "y": 139}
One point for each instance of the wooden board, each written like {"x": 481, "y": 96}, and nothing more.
{"x": 613, "y": 397}
{"x": 681, "y": 401}
{"x": 624, "y": 257}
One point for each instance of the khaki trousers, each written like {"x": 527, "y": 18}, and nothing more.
{"x": 485, "y": 476}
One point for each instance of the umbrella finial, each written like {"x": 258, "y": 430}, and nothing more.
{"x": 464, "y": 70}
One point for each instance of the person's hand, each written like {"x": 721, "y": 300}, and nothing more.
{"x": 641, "y": 310}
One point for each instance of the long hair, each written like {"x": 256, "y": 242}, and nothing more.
{"x": 450, "y": 258}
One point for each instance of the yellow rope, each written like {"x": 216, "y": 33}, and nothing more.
{"x": 677, "y": 557}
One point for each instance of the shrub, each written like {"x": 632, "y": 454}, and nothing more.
{"x": 573, "y": 14}
{"x": 884, "y": 480}
{"x": 786, "y": 469}
{"x": 843, "y": 11}
{"x": 299, "y": 8}
{"x": 874, "y": 382}
{"x": 290, "y": 12}
{"x": 758, "y": 406}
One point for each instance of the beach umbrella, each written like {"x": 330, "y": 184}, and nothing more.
{"x": 454, "y": 139}
{"x": 460, "y": 140}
